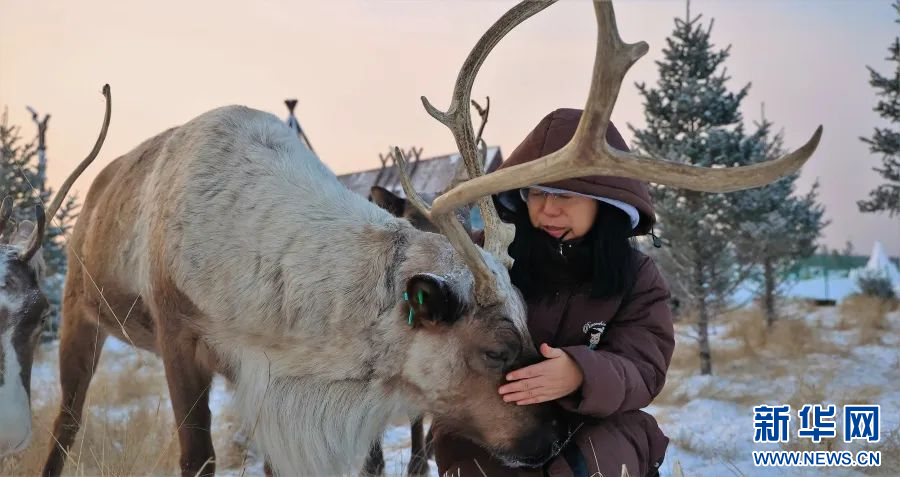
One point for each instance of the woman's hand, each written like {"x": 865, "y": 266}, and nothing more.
{"x": 553, "y": 378}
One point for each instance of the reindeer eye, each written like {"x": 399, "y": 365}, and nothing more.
{"x": 496, "y": 356}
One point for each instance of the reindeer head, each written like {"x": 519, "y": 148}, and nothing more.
{"x": 489, "y": 344}
{"x": 23, "y": 310}
{"x": 491, "y": 323}
{"x": 23, "y": 306}
{"x": 402, "y": 208}
{"x": 475, "y": 347}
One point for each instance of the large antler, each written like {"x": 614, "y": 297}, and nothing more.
{"x": 458, "y": 119}
{"x": 589, "y": 154}
{"x": 586, "y": 154}
{"x": 37, "y": 235}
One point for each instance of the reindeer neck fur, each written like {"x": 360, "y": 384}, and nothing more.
{"x": 271, "y": 249}
{"x": 323, "y": 402}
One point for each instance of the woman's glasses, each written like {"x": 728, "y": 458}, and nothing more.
{"x": 533, "y": 194}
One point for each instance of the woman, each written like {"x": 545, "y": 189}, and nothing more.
{"x": 596, "y": 307}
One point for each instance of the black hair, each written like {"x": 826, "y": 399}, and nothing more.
{"x": 604, "y": 258}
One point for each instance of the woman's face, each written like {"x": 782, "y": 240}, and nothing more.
{"x": 557, "y": 214}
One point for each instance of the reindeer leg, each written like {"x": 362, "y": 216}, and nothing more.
{"x": 189, "y": 380}
{"x": 418, "y": 460}
{"x": 189, "y": 384}
{"x": 374, "y": 466}
{"x": 429, "y": 442}
{"x": 79, "y": 351}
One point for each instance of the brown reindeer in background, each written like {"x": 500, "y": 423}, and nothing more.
{"x": 233, "y": 249}
{"x": 24, "y": 307}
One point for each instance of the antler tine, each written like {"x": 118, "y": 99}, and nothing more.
{"x": 483, "y": 113}
{"x": 457, "y": 116}
{"x": 411, "y": 195}
{"x": 64, "y": 189}
{"x": 612, "y": 60}
{"x": 485, "y": 286}
{"x": 480, "y": 145}
{"x": 589, "y": 154}
{"x": 37, "y": 235}
{"x": 497, "y": 235}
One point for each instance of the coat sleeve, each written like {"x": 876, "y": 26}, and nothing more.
{"x": 628, "y": 368}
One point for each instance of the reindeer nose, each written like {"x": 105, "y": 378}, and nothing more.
{"x": 15, "y": 429}
{"x": 11, "y": 442}
{"x": 15, "y": 414}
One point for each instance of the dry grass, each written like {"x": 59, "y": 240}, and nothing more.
{"x": 690, "y": 443}
{"x": 808, "y": 391}
{"x": 747, "y": 347}
{"x": 859, "y": 394}
{"x": 108, "y": 445}
{"x": 804, "y": 358}
{"x": 686, "y": 356}
{"x": 127, "y": 428}
{"x": 889, "y": 446}
{"x": 791, "y": 337}
{"x": 752, "y": 343}
{"x": 867, "y": 315}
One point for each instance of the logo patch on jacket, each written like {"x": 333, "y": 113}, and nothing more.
{"x": 594, "y": 332}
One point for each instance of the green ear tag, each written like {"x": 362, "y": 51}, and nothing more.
{"x": 409, "y": 320}
{"x": 420, "y": 297}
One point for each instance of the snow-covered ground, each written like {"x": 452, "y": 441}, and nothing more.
{"x": 709, "y": 418}
{"x": 836, "y": 286}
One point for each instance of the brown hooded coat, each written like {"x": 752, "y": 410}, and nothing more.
{"x": 628, "y": 367}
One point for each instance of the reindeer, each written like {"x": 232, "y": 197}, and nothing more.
{"x": 24, "y": 307}
{"x": 421, "y": 448}
{"x": 421, "y": 444}
{"x": 224, "y": 245}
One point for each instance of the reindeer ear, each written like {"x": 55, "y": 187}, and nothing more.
{"x": 22, "y": 233}
{"x": 431, "y": 301}
{"x": 388, "y": 201}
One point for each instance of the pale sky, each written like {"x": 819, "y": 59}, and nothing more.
{"x": 358, "y": 69}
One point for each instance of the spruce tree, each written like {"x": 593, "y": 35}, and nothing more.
{"x": 886, "y": 141}
{"x": 693, "y": 118}
{"x": 777, "y": 228}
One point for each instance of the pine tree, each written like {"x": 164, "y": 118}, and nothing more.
{"x": 18, "y": 174}
{"x": 886, "y": 141}
{"x": 692, "y": 117}
{"x": 778, "y": 228}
